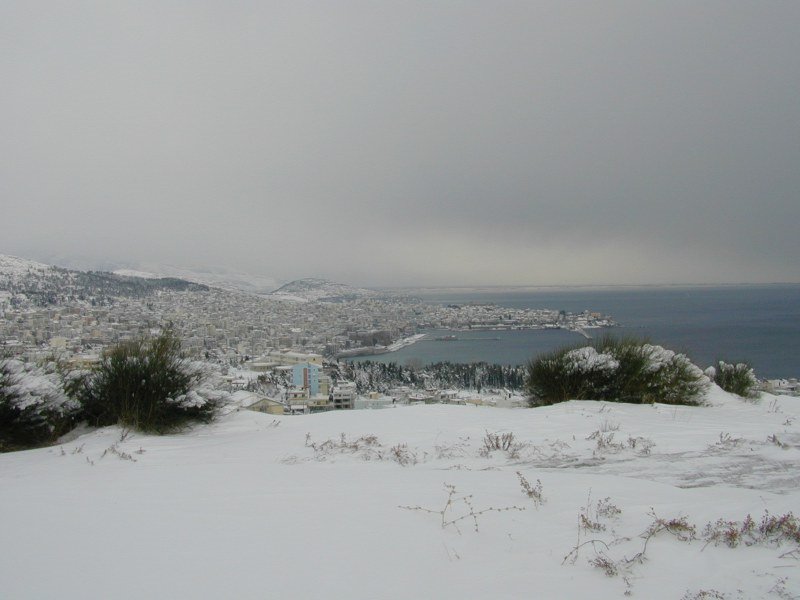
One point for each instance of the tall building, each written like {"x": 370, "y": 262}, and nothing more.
{"x": 306, "y": 376}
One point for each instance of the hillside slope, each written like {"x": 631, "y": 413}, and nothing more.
{"x": 32, "y": 284}
{"x": 347, "y": 505}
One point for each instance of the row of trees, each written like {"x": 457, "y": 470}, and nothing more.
{"x": 474, "y": 376}
{"x": 619, "y": 370}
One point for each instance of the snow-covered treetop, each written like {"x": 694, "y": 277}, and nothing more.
{"x": 26, "y": 385}
{"x": 586, "y": 359}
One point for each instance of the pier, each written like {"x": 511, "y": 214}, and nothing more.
{"x": 582, "y": 332}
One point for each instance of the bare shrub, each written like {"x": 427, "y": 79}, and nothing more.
{"x": 703, "y": 595}
{"x": 588, "y": 524}
{"x": 778, "y": 529}
{"x": 498, "y": 441}
{"x": 606, "y": 509}
{"x": 605, "y": 442}
{"x": 534, "y": 492}
{"x": 779, "y": 589}
{"x": 366, "y": 446}
{"x": 505, "y": 442}
{"x": 772, "y": 530}
{"x": 726, "y": 442}
{"x": 459, "y": 507}
{"x": 589, "y": 520}
{"x": 456, "y": 450}
{"x": 114, "y": 449}
{"x": 641, "y": 445}
{"x": 402, "y": 455}
{"x": 608, "y": 425}
{"x": 773, "y": 439}
{"x": 589, "y": 517}
{"x": 609, "y": 567}
{"x": 679, "y": 527}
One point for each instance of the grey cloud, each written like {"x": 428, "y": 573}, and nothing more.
{"x": 407, "y": 142}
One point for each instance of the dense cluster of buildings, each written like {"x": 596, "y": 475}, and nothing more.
{"x": 309, "y": 389}
{"x": 231, "y": 327}
{"x": 47, "y": 312}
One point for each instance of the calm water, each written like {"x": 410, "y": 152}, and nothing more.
{"x": 758, "y": 324}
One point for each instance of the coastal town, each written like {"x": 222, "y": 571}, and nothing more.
{"x": 51, "y": 312}
{"x": 281, "y": 348}
{"x": 45, "y": 308}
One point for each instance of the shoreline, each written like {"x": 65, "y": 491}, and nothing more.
{"x": 418, "y": 337}
{"x": 373, "y": 350}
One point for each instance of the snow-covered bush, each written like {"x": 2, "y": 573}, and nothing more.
{"x": 734, "y": 378}
{"x": 147, "y": 385}
{"x": 618, "y": 370}
{"x": 34, "y": 409}
{"x": 671, "y": 378}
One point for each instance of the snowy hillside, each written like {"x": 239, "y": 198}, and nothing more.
{"x": 33, "y": 284}
{"x": 226, "y": 279}
{"x": 214, "y": 276}
{"x": 13, "y": 269}
{"x": 354, "y": 504}
{"x": 310, "y": 290}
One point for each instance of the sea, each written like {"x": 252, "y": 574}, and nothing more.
{"x": 757, "y": 324}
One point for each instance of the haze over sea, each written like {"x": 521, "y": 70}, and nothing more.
{"x": 759, "y": 324}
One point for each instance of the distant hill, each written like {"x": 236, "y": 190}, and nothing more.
{"x": 29, "y": 283}
{"x": 217, "y": 276}
{"x": 32, "y": 283}
{"x": 13, "y": 268}
{"x": 321, "y": 290}
{"x": 224, "y": 278}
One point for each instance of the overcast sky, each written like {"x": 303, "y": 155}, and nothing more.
{"x": 406, "y": 143}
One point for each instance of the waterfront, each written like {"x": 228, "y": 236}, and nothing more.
{"x": 759, "y": 324}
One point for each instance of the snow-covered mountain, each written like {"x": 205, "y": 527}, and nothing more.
{"x": 214, "y": 276}
{"x": 321, "y": 290}
{"x": 621, "y": 500}
{"x": 31, "y": 283}
{"x": 301, "y": 290}
{"x": 224, "y": 278}
{"x": 13, "y": 269}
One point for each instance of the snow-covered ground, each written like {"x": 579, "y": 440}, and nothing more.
{"x": 349, "y": 505}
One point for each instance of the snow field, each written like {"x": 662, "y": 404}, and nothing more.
{"x": 250, "y": 507}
